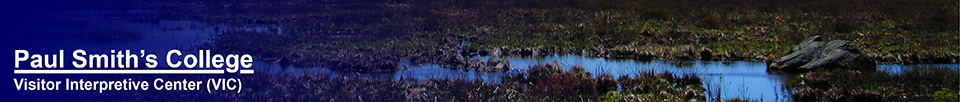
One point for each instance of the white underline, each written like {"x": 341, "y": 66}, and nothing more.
{"x": 126, "y": 71}
{"x": 246, "y": 71}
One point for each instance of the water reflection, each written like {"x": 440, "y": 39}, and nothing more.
{"x": 733, "y": 79}
{"x": 897, "y": 68}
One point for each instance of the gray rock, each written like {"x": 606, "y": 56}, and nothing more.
{"x": 813, "y": 54}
